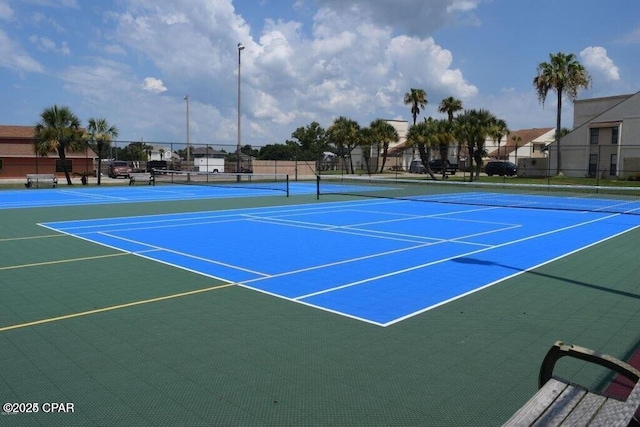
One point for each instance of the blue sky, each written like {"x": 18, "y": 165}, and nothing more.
{"x": 133, "y": 61}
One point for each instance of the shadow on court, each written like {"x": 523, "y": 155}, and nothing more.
{"x": 470, "y": 260}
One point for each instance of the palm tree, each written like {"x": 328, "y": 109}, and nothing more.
{"x": 417, "y": 98}
{"x": 383, "y": 133}
{"x": 58, "y": 130}
{"x": 366, "y": 140}
{"x": 344, "y": 135}
{"x": 444, "y": 137}
{"x": 473, "y": 127}
{"x": 497, "y": 130}
{"x": 418, "y": 135}
{"x": 450, "y": 106}
{"x": 564, "y": 74}
{"x": 427, "y": 136}
{"x": 516, "y": 140}
{"x": 100, "y": 133}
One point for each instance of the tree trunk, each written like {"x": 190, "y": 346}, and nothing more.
{"x": 99, "y": 147}
{"x": 63, "y": 158}
{"x": 558, "y": 124}
{"x": 425, "y": 154}
{"x": 385, "y": 151}
{"x": 470, "y": 154}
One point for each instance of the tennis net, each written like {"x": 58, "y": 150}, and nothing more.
{"x": 269, "y": 182}
{"x": 607, "y": 199}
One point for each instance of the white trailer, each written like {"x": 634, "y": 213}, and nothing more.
{"x": 205, "y": 164}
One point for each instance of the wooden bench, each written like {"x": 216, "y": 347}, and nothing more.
{"x": 559, "y": 402}
{"x": 34, "y": 180}
{"x": 141, "y": 177}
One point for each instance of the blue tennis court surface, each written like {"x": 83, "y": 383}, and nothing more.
{"x": 380, "y": 261}
{"x": 78, "y": 196}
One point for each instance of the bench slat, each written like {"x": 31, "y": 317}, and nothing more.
{"x": 570, "y": 398}
{"x": 537, "y": 405}
{"x": 618, "y": 413}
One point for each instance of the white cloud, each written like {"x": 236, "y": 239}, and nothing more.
{"x": 6, "y": 13}
{"x": 151, "y": 84}
{"x": 631, "y": 38}
{"x": 14, "y": 57}
{"x": 413, "y": 17}
{"x": 343, "y": 64}
{"x": 47, "y": 45}
{"x": 462, "y": 5}
{"x": 596, "y": 61}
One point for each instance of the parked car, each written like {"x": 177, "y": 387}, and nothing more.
{"x": 500, "y": 168}
{"x": 156, "y": 165}
{"x": 119, "y": 168}
{"x": 436, "y": 166}
{"x": 416, "y": 166}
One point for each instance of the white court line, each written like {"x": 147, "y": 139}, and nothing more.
{"x": 154, "y": 227}
{"x": 210, "y": 261}
{"x": 91, "y": 195}
{"x": 417, "y": 267}
{"x": 441, "y": 303}
{"x": 339, "y": 230}
{"x": 346, "y": 261}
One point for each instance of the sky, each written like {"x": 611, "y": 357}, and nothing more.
{"x": 133, "y": 62}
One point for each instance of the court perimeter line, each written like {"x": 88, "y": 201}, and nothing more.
{"x": 114, "y": 307}
{"x": 12, "y": 239}
{"x": 62, "y": 261}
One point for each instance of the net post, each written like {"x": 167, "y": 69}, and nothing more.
{"x": 287, "y": 185}
{"x": 318, "y": 187}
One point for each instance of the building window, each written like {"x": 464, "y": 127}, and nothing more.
{"x": 60, "y": 167}
{"x": 593, "y": 138}
{"x": 593, "y": 165}
{"x": 614, "y": 164}
{"x": 1, "y": 166}
{"x": 614, "y": 135}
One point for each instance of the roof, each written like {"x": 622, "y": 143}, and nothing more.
{"x": 526, "y": 137}
{"x": 16, "y": 141}
{"x": 9, "y": 131}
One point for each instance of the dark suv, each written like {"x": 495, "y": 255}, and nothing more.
{"x": 500, "y": 168}
{"x": 436, "y": 166}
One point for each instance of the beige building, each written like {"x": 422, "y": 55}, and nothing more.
{"x": 605, "y": 140}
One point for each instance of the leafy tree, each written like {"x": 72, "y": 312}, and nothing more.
{"x": 565, "y": 75}
{"x": 344, "y": 134}
{"x": 99, "y": 134}
{"x": 58, "y": 131}
{"x": 135, "y": 151}
{"x": 277, "y": 152}
{"x": 311, "y": 140}
{"x": 248, "y": 150}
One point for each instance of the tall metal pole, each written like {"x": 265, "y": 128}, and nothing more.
{"x": 186, "y": 98}
{"x": 240, "y": 48}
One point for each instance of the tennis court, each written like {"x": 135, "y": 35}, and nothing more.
{"x": 195, "y": 305}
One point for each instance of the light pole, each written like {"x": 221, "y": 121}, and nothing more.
{"x": 186, "y": 98}
{"x": 240, "y": 48}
